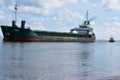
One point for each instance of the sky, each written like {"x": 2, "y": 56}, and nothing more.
{"x": 63, "y": 15}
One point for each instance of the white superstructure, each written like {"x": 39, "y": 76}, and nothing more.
{"x": 84, "y": 28}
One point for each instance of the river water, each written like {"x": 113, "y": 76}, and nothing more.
{"x": 59, "y": 61}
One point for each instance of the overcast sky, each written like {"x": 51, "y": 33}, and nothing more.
{"x": 62, "y": 15}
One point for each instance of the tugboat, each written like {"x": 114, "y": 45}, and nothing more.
{"x": 21, "y": 34}
{"x": 111, "y": 39}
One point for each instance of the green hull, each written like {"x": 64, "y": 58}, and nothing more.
{"x": 13, "y": 33}
{"x": 18, "y": 34}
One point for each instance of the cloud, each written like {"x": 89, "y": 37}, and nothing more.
{"x": 67, "y": 17}
{"x": 117, "y": 24}
{"x": 1, "y": 1}
{"x": 111, "y": 4}
{"x": 85, "y": 1}
{"x": 43, "y": 7}
{"x": 112, "y": 24}
{"x": 35, "y": 24}
{"x": 2, "y": 17}
{"x": 90, "y": 2}
{"x": 116, "y": 18}
{"x": 64, "y": 21}
{"x": 112, "y": 29}
{"x": 31, "y": 10}
{"x": 70, "y": 16}
{"x": 108, "y": 29}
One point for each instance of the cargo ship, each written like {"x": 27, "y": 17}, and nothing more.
{"x": 14, "y": 33}
{"x": 21, "y": 34}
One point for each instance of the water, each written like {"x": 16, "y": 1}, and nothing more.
{"x": 59, "y": 61}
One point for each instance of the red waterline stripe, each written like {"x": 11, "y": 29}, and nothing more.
{"x": 21, "y": 39}
{"x": 41, "y": 40}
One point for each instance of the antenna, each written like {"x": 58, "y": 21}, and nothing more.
{"x": 91, "y": 19}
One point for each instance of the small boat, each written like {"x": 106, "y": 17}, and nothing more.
{"x": 111, "y": 39}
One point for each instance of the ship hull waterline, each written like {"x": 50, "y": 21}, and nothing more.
{"x": 9, "y": 39}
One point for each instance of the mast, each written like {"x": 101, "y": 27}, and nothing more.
{"x": 87, "y": 21}
{"x": 87, "y": 15}
{"x": 15, "y": 12}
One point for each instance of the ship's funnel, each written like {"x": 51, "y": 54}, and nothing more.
{"x": 14, "y": 24}
{"x": 22, "y": 24}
